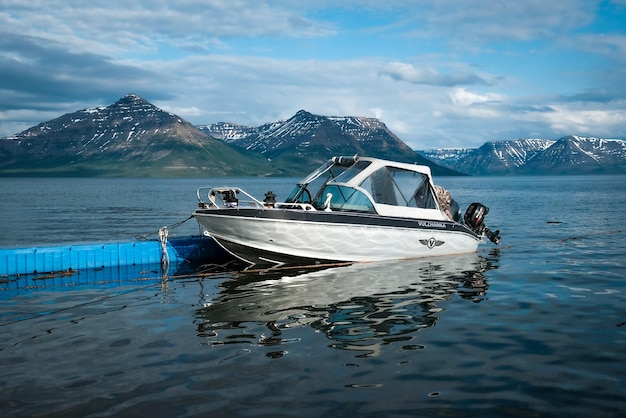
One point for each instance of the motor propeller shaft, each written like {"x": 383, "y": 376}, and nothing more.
{"x": 493, "y": 236}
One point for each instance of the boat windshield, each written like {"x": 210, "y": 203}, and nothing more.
{"x": 352, "y": 172}
{"x": 310, "y": 189}
{"x": 345, "y": 198}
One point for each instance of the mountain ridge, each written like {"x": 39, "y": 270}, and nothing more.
{"x": 568, "y": 155}
{"x": 306, "y": 139}
{"x": 132, "y": 138}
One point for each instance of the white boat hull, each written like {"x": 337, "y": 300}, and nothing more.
{"x": 274, "y": 236}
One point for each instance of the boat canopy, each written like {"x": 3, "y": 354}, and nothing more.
{"x": 368, "y": 185}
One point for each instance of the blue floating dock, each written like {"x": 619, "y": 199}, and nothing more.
{"x": 63, "y": 258}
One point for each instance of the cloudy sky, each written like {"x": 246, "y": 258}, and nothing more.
{"x": 438, "y": 73}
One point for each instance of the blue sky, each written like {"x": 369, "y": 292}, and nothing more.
{"x": 439, "y": 73}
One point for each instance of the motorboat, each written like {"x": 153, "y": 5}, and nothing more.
{"x": 350, "y": 209}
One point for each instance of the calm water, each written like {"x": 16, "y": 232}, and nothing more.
{"x": 536, "y": 327}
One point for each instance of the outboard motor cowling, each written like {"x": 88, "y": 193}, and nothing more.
{"x": 475, "y": 218}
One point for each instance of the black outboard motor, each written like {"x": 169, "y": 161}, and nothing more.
{"x": 475, "y": 218}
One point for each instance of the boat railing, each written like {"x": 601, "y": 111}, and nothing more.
{"x": 226, "y": 197}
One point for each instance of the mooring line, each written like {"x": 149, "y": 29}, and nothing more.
{"x": 175, "y": 225}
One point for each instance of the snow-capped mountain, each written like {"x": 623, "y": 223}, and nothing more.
{"x": 272, "y": 138}
{"x": 568, "y": 155}
{"x": 579, "y": 155}
{"x": 307, "y": 140}
{"x": 129, "y": 137}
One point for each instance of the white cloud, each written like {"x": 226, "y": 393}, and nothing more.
{"x": 116, "y": 27}
{"x": 612, "y": 45}
{"x": 188, "y": 111}
{"x": 477, "y": 21}
{"x": 463, "y": 97}
{"x": 428, "y": 75}
{"x": 583, "y": 119}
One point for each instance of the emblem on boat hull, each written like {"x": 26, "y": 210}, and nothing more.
{"x": 431, "y": 242}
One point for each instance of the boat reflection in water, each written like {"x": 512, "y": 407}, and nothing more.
{"x": 362, "y": 306}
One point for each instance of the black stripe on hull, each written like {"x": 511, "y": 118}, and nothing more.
{"x": 351, "y": 218}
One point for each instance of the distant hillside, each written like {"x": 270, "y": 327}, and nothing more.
{"x": 579, "y": 155}
{"x": 306, "y": 140}
{"x": 568, "y": 155}
{"x": 130, "y": 138}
